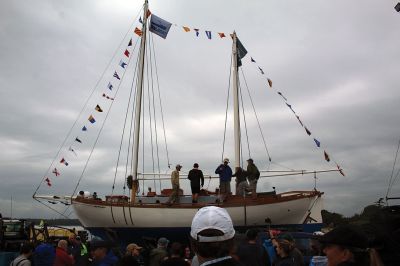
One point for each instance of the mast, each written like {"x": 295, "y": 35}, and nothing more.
{"x": 236, "y": 117}
{"x": 138, "y": 107}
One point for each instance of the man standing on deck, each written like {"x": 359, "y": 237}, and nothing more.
{"x": 196, "y": 179}
{"x": 174, "y": 198}
{"x": 253, "y": 176}
{"x": 225, "y": 176}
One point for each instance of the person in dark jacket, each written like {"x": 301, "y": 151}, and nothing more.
{"x": 196, "y": 180}
{"x": 101, "y": 253}
{"x": 175, "y": 259}
{"x": 251, "y": 253}
{"x": 241, "y": 181}
{"x": 159, "y": 254}
{"x": 225, "y": 176}
{"x": 253, "y": 176}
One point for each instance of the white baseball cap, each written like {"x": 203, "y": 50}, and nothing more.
{"x": 226, "y": 160}
{"x": 212, "y": 217}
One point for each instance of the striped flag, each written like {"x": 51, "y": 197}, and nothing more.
{"x": 116, "y": 75}
{"x": 122, "y": 63}
{"x": 63, "y": 161}
{"x": 208, "y": 33}
{"x": 55, "y": 171}
{"x": 138, "y": 31}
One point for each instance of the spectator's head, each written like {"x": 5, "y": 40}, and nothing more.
{"x": 176, "y": 249}
{"x": 196, "y": 165}
{"x": 283, "y": 247}
{"x": 251, "y": 234}
{"x": 162, "y": 242}
{"x": 226, "y": 161}
{"x": 178, "y": 167}
{"x": 27, "y": 249}
{"x": 133, "y": 249}
{"x": 343, "y": 244}
{"x": 63, "y": 244}
{"x": 99, "y": 249}
{"x": 212, "y": 233}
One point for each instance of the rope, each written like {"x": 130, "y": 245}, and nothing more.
{"x": 255, "y": 114}
{"x": 161, "y": 108}
{"x": 226, "y": 110}
{"x": 154, "y": 113}
{"x": 391, "y": 180}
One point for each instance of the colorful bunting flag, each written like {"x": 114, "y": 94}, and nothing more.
{"x": 252, "y": 60}
{"x": 317, "y": 142}
{"x": 326, "y": 156}
{"x": 307, "y": 131}
{"x": 108, "y": 97}
{"x": 122, "y": 64}
{"x": 84, "y": 128}
{"x": 148, "y": 13}
{"x": 208, "y": 33}
{"x": 116, "y": 75}
{"x": 269, "y": 82}
{"x": 78, "y": 140}
{"x": 262, "y": 72}
{"x": 138, "y": 31}
{"x": 91, "y": 119}
{"x": 48, "y": 181}
{"x": 63, "y": 161}
{"x": 72, "y": 150}
{"x": 126, "y": 53}
{"x": 140, "y": 20}
{"x": 340, "y": 170}
{"x": 55, "y": 171}
{"x": 197, "y": 32}
{"x": 159, "y": 26}
{"x": 110, "y": 86}
{"x": 221, "y": 34}
{"x": 130, "y": 42}
{"x": 98, "y": 109}
{"x": 186, "y": 29}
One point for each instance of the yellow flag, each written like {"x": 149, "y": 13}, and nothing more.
{"x": 187, "y": 29}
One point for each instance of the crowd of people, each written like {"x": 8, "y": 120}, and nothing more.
{"x": 212, "y": 241}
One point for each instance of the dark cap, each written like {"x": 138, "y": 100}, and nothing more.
{"x": 250, "y": 160}
{"x": 345, "y": 236}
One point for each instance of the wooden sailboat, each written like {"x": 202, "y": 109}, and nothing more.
{"x": 147, "y": 214}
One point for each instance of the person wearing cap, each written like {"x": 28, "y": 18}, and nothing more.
{"x": 159, "y": 254}
{"x": 174, "y": 197}
{"x": 252, "y": 175}
{"x": 196, "y": 178}
{"x": 345, "y": 245}
{"x": 212, "y": 236}
{"x": 132, "y": 256}
{"x": 225, "y": 176}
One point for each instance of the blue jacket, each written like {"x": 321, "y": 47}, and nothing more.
{"x": 224, "y": 172}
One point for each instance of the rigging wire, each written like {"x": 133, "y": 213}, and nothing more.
{"x": 124, "y": 127}
{"x": 226, "y": 110}
{"x": 391, "y": 180}
{"x": 150, "y": 114}
{"x": 256, "y": 116}
{"x": 154, "y": 111}
{"x": 161, "y": 108}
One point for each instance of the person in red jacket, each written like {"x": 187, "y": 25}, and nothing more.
{"x": 62, "y": 257}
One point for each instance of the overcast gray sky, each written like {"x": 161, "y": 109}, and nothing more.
{"x": 337, "y": 63}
